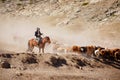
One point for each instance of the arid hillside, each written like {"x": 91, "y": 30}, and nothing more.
{"x": 83, "y": 22}
{"x": 84, "y": 34}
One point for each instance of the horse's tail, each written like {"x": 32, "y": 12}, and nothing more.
{"x": 28, "y": 45}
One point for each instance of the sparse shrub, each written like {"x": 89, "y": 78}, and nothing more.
{"x": 6, "y": 55}
{"x": 19, "y": 4}
{"x": 5, "y": 64}
{"x": 79, "y": 62}
{"x": 33, "y": 1}
{"x": 3, "y": 1}
{"x": 85, "y": 3}
{"x": 29, "y": 60}
{"x": 53, "y": 1}
{"x": 57, "y": 62}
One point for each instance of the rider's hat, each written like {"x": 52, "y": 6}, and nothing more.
{"x": 38, "y": 28}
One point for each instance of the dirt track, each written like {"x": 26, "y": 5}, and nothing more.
{"x": 24, "y": 66}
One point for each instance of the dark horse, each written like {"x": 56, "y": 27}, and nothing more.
{"x": 33, "y": 43}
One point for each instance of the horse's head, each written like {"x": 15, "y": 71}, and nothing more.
{"x": 47, "y": 39}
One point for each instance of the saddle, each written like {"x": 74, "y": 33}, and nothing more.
{"x": 38, "y": 40}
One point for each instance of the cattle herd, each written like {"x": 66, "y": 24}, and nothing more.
{"x": 97, "y": 51}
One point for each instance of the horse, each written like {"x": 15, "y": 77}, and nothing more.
{"x": 33, "y": 43}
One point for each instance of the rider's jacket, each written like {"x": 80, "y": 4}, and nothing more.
{"x": 38, "y": 34}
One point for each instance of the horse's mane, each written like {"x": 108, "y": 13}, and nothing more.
{"x": 33, "y": 39}
{"x": 47, "y": 37}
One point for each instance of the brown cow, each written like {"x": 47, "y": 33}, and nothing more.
{"x": 115, "y": 53}
{"x": 89, "y": 50}
{"x": 72, "y": 49}
{"x": 105, "y": 53}
{"x": 111, "y": 54}
{"x": 76, "y": 49}
{"x": 102, "y": 53}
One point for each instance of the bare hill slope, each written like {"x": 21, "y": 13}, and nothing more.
{"x": 22, "y": 66}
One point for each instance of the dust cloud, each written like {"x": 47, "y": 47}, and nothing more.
{"x": 16, "y": 31}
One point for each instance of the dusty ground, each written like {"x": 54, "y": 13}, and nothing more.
{"x": 24, "y": 66}
{"x": 68, "y": 22}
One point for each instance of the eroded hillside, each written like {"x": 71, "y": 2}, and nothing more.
{"x": 83, "y": 22}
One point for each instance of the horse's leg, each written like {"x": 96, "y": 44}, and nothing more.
{"x": 31, "y": 48}
{"x": 43, "y": 50}
{"x": 39, "y": 49}
{"x": 28, "y": 47}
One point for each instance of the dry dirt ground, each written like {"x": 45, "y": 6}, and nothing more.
{"x": 48, "y": 66}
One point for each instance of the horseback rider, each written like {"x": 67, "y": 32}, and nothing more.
{"x": 38, "y": 35}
